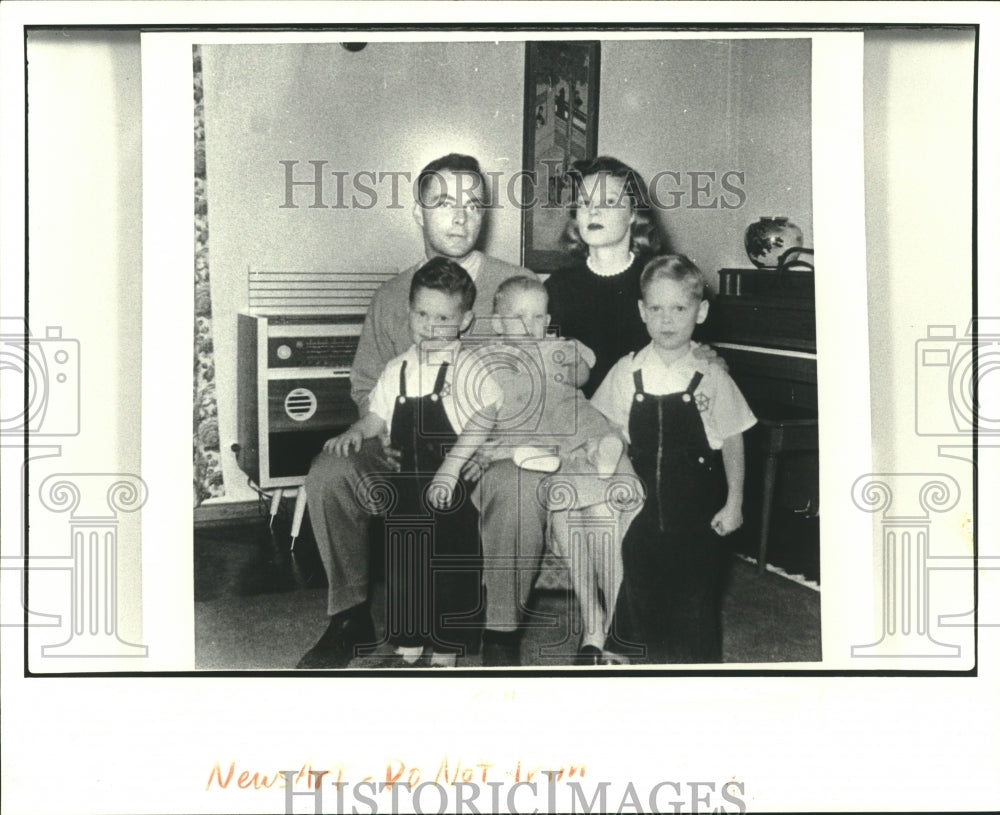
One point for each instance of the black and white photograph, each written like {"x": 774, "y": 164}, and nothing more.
{"x": 538, "y": 407}
{"x": 312, "y": 161}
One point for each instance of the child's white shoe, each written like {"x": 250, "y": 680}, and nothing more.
{"x": 439, "y": 660}
{"x": 534, "y": 458}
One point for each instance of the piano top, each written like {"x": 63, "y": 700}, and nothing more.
{"x": 759, "y": 349}
{"x": 778, "y": 383}
{"x": 763, "y": 308}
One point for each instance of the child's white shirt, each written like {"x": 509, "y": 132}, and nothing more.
{"x": 724, "y": 411}
{"x": 467, "y": 388}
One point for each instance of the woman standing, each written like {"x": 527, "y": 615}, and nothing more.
{"x": 594, "y": 299}
{"x": 611, "y": 235}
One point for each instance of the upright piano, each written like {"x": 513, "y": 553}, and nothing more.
{"x": 763, "y": 323}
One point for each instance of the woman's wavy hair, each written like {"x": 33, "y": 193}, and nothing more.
{"x": 645, "y": 233}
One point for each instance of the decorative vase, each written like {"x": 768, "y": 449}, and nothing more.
{"x": 768, "y": 239}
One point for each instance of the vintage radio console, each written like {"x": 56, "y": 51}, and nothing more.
{"x": 294, "y": 391}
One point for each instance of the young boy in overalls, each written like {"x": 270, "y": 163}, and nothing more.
{"x": 433, "y": 585}
{"x": 685, "y": 421}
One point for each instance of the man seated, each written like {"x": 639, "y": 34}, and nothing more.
{"x": 450, "y": 212}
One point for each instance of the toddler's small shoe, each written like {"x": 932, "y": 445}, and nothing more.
{"x": 536, "y": 459}
{"x": 437, "y": 660}
{"x": 612, "y": 658}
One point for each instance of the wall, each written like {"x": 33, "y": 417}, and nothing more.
{"x": 696, "y": 105}
{"x": 389, "y": 108}
{"x": 918, "y": 182}
{"x": 84, "y": 273}
{"x": 919, "y": 257}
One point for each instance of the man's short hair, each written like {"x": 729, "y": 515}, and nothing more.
{"x": 459, "y": 164}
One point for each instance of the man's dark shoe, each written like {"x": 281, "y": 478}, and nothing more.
{"x": 395, "y": 662}
{"x": 337, "y": 647}
{"x": 589, "y": 656}
{"x": 501, "y": 649}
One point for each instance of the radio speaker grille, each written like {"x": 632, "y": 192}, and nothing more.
{"x": 300, "y": 404}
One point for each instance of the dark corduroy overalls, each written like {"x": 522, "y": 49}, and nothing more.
{"x": 670, "y": 595}
{"x": 433, "y": 557}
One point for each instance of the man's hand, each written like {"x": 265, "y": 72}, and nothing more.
{"x": 710, "y": 355}
{"x": 342, "y": 445}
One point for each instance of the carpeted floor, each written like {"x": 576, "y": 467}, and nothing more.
{"x": 257, "y": 608}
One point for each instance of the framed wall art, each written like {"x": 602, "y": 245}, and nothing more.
{"x": 560, "y": 127}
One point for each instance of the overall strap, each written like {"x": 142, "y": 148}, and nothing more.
{"x": 637, "y": 379}
{"x": 402, "y": 379}
{"x": 439, "y": 382}
{"x": 695, "y": 381}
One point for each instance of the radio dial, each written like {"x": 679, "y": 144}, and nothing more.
{"x": 284, "y": 352}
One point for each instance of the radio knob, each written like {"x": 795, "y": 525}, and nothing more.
{"x": 284, "y": 352}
